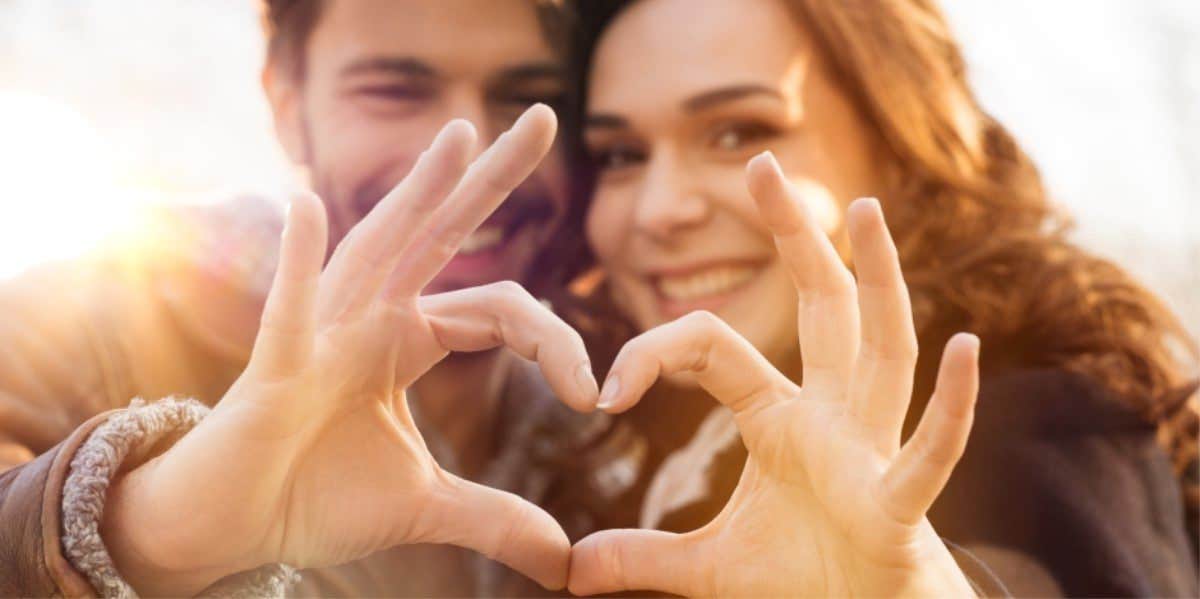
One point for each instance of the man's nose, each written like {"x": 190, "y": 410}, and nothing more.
{"x": 470, "y": 105}
{"x": 670, "y": 200}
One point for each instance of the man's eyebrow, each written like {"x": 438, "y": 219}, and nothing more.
{"x": 605, "y": 121}
{"x": 727, "y": 94}
{"x": 532, "y": 70}
{"x": 394, "y": 65}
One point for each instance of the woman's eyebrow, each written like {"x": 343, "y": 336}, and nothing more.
{"x": 727, "y": 94}
{"x": 695, "y": 103}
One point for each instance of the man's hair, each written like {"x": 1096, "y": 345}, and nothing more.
{"x": 288, "y": 23}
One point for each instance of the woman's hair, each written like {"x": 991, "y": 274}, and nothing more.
{"x": 982, "y": 248}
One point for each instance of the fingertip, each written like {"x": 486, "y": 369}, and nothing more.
{"x": 543, "y": 112}
{"x": 864, "y": 216}
{"x": 588, "y": 389}
{"x": 581, "y": 575}
{"x": 966, "y": 345}
{"x": 542, "y": 119}
{"x": 557, "y": 557}
{"x": 610, "y": 395}
{"x": 783, "y": 211}
{"x": 305, "y": 213}
{"x": 762, "y": 174}
{"x": 461, "y": 129}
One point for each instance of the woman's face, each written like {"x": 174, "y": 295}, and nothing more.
{"x": 682, "y": 94}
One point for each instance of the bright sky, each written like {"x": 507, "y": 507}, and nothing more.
{"x": 101, "y": 109}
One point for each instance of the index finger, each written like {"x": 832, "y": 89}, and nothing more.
{"x": 724, "y": 363}
{"x": 366, "y": 256}
{"x": 828, "y": 307}
{"x": 488, "y": 181}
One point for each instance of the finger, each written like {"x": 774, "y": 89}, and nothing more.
{"x": 924, "y": 464}
{"x": 828, "y": 308}
{"x": 285, "y": 336}
{"x": 371, "y": 250}
{"x": 635, "y": 560}
{"x": 499, "y": 525}
{"x": 883, "y": 374}
{"x": 726, "y": 365}
{"x": 489, "y": 180}
{"x": 505, "y": 314}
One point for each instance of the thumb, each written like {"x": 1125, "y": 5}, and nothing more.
{"x": 499, "y": 525}
{"x": 635, "y": 560}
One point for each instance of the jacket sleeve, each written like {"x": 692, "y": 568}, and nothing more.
{"x": 1060, "y": 475}
{"x": 53, "y": 390}
{"x": 79, "y": 339}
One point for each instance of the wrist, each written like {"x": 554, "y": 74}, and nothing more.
{"x": 940, "y": 576}
{"x": 118, "y": 529}
{"x": 151, "y": 557}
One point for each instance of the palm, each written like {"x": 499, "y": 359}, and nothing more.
{"x": 356, "y": 454}
{"x": 807, "y": 510}
{"x": 829, "y": 503}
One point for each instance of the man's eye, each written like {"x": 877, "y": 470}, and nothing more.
{"x": 398, "y": 93}
{"x": 736, "y": 136}
{"x": 616, "y": 158}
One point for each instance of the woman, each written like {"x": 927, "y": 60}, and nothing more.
{"x": 1064, "y": 487}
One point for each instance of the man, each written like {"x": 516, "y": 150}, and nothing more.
{"x": 358, "y": 90}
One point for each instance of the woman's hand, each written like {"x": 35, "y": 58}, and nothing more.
{"x": 829, "y": 503}
{"x": 312, "y": 458}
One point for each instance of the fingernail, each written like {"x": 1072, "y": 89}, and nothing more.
{"x": 585, "y": 381}
{"x": 612, "y": 388}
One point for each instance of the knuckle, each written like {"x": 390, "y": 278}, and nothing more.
{"x": 939, "y": 455}
{"x": 612, "y": 556}
{"x": 446, "y": 241}
{"x": 842, "y": 285}
{"x": 511, "y": 293}
{"x": 518, "y": 519}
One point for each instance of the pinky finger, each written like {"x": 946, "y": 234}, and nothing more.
{"x": 285, "y": 335}
{"x": 921, "y": 469}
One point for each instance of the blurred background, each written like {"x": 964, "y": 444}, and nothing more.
{"x": 108, "y": 104}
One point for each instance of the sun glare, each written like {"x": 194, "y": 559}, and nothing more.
{"x": 61, "y": 192}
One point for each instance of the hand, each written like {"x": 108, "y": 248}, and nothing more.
{"x": 312, "y": 458}
{"x": 828, "y": 504}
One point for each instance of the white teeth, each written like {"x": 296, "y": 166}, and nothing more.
{"x": 712, "y": 281}
{"x": 483, "y": 239}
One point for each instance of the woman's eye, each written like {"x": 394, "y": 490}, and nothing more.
{"x": 734, "y": 137}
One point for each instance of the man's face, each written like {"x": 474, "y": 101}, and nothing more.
{"x": 381, "y": 79}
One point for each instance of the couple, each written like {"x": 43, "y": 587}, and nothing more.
{"x": 713, "y": 149}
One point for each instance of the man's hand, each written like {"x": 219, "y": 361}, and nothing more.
{"x": 312, "y": 458}
{"x": 828, "y": 504}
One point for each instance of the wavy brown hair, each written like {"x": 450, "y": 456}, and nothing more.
{"x": 982, "y": 247}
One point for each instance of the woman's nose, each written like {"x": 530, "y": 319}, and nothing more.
{"x": 670, "y": 200}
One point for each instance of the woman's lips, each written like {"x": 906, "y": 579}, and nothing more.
{"x": 707, "y": 288}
